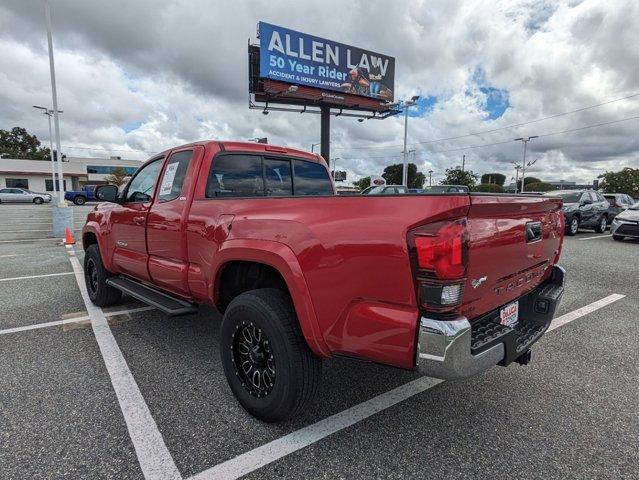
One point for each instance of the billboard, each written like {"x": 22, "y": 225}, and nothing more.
{"x": 301, "y": 59}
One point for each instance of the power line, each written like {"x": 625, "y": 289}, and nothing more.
{"x": 506, "y": 127}
{"x": 481, "y": 145}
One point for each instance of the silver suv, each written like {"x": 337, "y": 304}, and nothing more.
{"x": 22, "y": 195}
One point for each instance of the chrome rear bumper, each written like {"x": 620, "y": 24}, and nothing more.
{"x": 446, "y": 348}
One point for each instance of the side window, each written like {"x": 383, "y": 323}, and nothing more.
{"x": 174, "y": 174}
{"x": 277, "y": 174}
{"x": 141, "y": 187}
{"x": 236, "y": 176}
{"x": 593, "y": 196}
{"x": 311, "y": 179}
{"x": 584, "y": 197}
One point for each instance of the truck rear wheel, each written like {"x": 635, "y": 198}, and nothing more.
{"x": 95, "y": 276}
{"x": 268, "y": 365}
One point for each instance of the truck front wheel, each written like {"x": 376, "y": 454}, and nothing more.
{"x": 95, "y": 276}
{"x": 268, "y": 365}
{"x": 79, "y": 200}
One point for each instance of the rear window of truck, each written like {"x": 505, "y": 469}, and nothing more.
{"x": 236, "y": 175}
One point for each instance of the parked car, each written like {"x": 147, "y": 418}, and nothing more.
{"x": 385, "y": 190}
{"x": 22, "y": 195}
{"x": 618, "y": 203}
{"x": 626, "y": 223}
{"x": 446, "y": 189}
{"x": 301, "y": 274}
{"x": 583, "y": 209}
{"x": 80, "y": 197}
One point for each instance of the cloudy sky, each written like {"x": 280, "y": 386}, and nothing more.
{"x": 138, "y": 76}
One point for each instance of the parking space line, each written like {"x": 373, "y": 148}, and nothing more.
{"x": 580, "y": 312}
{"x": 154, "y": 457}
{"x": 268, "y": 453}
{"x": 11, "y": 279}
{"x": 595, "y": 238}
{"x": 26, "y": 240}
{"x": 66, "y": 321}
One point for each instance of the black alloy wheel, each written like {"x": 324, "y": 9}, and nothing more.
{"x": 253, "y": 360}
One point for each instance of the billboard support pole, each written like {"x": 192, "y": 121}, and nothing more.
{"x": 325, "y": 132}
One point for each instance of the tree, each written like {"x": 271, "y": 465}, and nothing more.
{"x": 528, "y": 180}
{"x": 489, "y": 187}
{"x": 494, "y": 178}
{"x": 362, "y": 183}
{"x": 624, "y": 181}
{"x": 117, "y": 177}
{"x": 457, "y": 176}
{"x": 539, "y": 187}
{"x": 393, "y": 175}
{"x": 18, "y": 143}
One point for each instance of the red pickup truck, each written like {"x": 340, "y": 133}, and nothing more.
{"x": 451, "y": 284}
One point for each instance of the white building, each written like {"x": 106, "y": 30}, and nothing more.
{"x": 36, "y": 174}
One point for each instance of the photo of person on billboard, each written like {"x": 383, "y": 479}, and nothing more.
{"x": 357, "y": 83}
{"x": 375, "y": 77}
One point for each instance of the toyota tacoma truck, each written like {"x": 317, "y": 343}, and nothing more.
{"x": 450, "y": 284}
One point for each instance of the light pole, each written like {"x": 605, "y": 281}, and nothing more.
{"x": 49, "y": 113}
{"x": 517, "y": 167}
{"x": 54, "y": 94}
{"x": 313, "y": 145}
{"x": 430, "y": 178}
{"x": 523, "y": 165}
{"x": 407, "y": 105}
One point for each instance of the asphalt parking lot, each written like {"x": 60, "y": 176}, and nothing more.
{"x": 141, "y": 394}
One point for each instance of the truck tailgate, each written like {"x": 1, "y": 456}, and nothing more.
{"x": 513, "y": 243}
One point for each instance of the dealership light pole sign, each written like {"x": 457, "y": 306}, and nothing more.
{"x": 294, "y": 68}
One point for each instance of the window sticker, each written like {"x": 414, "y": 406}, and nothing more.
{"x": 169, "y": 177}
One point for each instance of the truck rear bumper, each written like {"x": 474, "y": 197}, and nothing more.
{"x": 451, "y": 349}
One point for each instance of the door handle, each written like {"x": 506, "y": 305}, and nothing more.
{"x": 138, "y": 220}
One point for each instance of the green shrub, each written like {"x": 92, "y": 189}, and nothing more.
{"x": 539, "y": 187}
{"x": 489, "y": 187}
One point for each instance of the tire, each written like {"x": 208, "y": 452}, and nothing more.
{"x": 602, "y": 225}
{"x": 619, "y": 238}
{"x": 79, "y": 200}
{"x": 38, "y": 200}
{"x": 572, "y": 227}
{"x": 95, "y": 276}
{"x": 260, "y": 336}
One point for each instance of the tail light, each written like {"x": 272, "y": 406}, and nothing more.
{"x": 439, "y": 254}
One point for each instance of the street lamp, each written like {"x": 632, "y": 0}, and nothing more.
{"x": 54, "y": 95}
{"x": 407, "y": 104}
{"x": 49, "y": 113}
{"x": 313, "y": 145}
{"x": 517, "y": 167}
{"x": 523, "y": 169}
{"x": 430, "y": 178}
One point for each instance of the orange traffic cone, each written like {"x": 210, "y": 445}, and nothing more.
{"x": 68, "y": 237}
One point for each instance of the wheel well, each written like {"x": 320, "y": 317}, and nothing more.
{"x": 88, "y": 239}
{"x": 239, "y": 277}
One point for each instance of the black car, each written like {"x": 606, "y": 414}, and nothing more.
{"x": 583, "y": 209}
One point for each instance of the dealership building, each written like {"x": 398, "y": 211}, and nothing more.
{"x": 36, "y": 174}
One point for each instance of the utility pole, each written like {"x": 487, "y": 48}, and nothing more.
{"x": 407, "y": 105}
{"x": 463, "y": 162}
{"x": 54, "y": 94}
{"x": 523, "y": 165}
{"x": 517, "y": 167}
{"x": 430, "y": 178}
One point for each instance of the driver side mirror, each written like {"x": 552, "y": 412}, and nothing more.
{"x": 107, "y": 193}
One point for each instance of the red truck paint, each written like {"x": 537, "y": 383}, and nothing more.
{"x": 345, "y": 260}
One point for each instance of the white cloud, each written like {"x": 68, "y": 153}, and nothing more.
{"x": 181, "y": 70}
